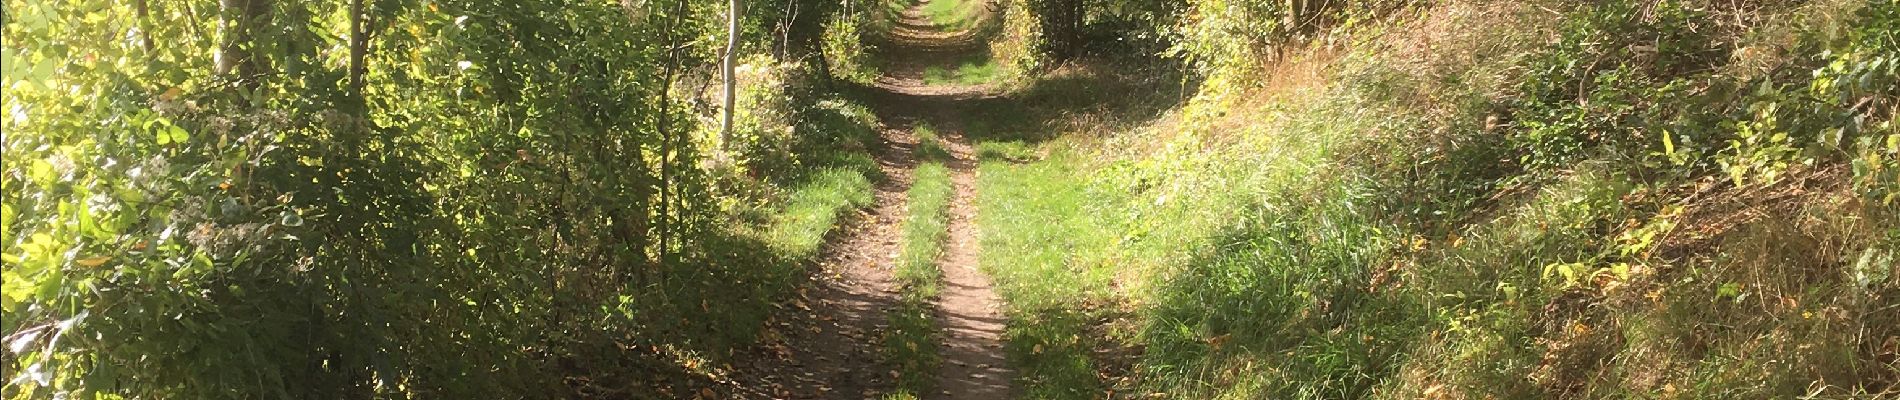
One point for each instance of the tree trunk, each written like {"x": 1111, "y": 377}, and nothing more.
{"x": 731, "y": 82}
{"x": 228, "y": 51}
{"x": 241, "y": 20}
{"x": 1062, "y": 24}
{"x": 242, "y": 23}
{"x": 359, "y": 47}
{"x": 145, "y": 30}
{"x": 667, "y": 137}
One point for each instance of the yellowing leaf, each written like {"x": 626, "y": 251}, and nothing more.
{"x": 93, "y": 261}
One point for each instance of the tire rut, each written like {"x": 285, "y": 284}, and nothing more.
{"x": 828, "y": 347}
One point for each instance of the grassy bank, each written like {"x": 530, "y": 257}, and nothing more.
{"x": 1034, "y": 231}
{"x": 1669, "y": 200}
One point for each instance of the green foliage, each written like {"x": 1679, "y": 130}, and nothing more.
{"x": 848, "y": 49}
{"x": 1861, "y": 69}
{"x": 1643, "y": 83}
{"x": 1222, "y": 37}
{"x": 1646, "y": 206}
{"x": 1019, "y": 45}
{"x": 510, "y": 200}
{"x": 1596, "y": 83}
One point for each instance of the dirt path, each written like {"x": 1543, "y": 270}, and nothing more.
{"x": 827, "y": 346}
{"x": 968, "y": 310}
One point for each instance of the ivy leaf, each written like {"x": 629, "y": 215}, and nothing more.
{"x": 42, "y": 172}
{"x": 49, "y": 288}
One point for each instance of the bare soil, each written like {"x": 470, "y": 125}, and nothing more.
{"x": 826, "y": 345}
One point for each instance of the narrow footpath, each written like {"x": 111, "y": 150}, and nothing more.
{"x": 825, "y": 343}
{"x": 967, "y": 309}
{"x": 968, "y": 312}
{"x": 827, "y": 346}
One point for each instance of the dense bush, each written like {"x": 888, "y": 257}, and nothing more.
{"x": 511, "y": 196}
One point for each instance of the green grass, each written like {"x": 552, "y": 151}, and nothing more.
{"x": 942, "y": 15}
{"x": 1015, "y": 151}
{"x": 930, "y": 145}
{"x": 1044, "y": 251}
{"x": 837, "y": 177}
{"x": 911, "y": 345}
{"x": 967, "y": 73}
{"x": 1371, "y": 237}
{"x": 954, "y": 15}
{"x": 813, "y": 209}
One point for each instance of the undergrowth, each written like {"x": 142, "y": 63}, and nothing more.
{"x": 519, "y": 218}
{"x": 1674, "y": 199}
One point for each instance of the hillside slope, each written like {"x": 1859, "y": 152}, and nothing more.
{"x": 1474, "y": 199}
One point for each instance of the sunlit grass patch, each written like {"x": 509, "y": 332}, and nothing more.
{"x": 967, "y": 73}
{"x": 954, "y": 15}
{"x": 911, "y": 345}
{"x": 1035, "y": 225}
{"x": 813, "y": 209}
